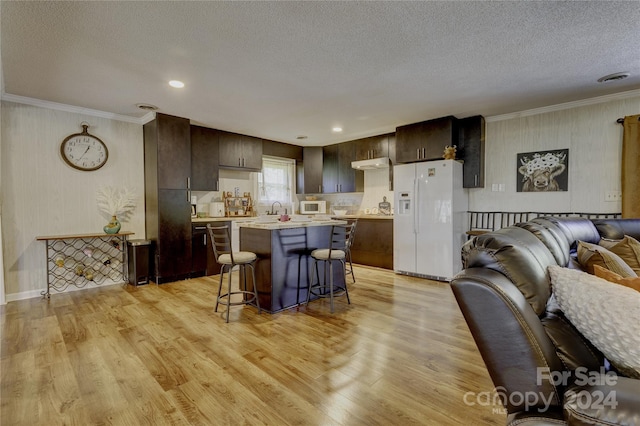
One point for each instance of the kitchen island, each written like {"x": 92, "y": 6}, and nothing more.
{"x": 284, "y": 258}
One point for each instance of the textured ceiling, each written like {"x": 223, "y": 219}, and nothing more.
{"x": 278, "y": 70}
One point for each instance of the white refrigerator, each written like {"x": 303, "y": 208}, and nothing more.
{"x": 429, "y": 221}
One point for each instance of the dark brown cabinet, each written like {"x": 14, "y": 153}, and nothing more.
{"x": 203, "y": 261}
{"x": 371, "y": 147}
{"x": 471, "y": 150}
{"x": 337, "y": 173}
{"x": 240, "y": 151}
{"x": 425, "y": 140}
{"x": 309, "y": 171}
{"x": 283, "y": 150}
{"x": 373, "y": 243}
{"x": 167, "y": 167}
{"x": 204, "y": 159}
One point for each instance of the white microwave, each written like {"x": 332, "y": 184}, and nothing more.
{"x": 313, "y": 207}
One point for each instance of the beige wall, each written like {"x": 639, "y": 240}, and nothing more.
{"x": 42, "y": 195}
{"x": 594, "y": 140}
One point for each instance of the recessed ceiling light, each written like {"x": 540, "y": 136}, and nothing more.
{"x": 176, "y": 83}
{"x": 614, "y": 77}
{"x": 147, "y": 107}
{"x": 337, "y": 129}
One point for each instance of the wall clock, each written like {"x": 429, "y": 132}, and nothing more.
{"x": 84, "y": 151}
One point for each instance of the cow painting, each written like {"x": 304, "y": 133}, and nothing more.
{"x": 543, "y": 171}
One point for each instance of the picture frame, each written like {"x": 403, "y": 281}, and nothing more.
{"x": 543, "y": 171}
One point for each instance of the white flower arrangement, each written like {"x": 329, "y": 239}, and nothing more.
{"x": 119, "y": 202}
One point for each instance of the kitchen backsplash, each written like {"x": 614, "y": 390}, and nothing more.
{"x": 376, "y": 187}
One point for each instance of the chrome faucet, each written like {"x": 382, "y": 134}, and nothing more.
{"x": 272, "y": 205}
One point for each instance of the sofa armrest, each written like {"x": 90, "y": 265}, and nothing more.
{"x": 609, "y": 400}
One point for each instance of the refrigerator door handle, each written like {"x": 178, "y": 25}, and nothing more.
{"x": 416, "y": 208}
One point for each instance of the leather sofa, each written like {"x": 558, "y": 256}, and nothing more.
{"x": 526, "y": 342}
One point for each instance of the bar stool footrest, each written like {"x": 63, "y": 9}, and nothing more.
{"x": 222, "y": 299}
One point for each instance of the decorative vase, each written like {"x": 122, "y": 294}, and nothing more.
{"x": 113, "y": 227}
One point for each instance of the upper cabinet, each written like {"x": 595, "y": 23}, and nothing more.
{"x": 337, "y": 173}
{"x": 280, "y": 149}
{"x": 425, "y": 140}
{"x": 371, "y": 147}
{"x": 309, "y": 171}
{"x": 240, "y": 152}
{"x": 471, "y": 150}
{"x": 204, "y": 159}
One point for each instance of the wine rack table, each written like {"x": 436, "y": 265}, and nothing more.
{"x": 78, "y": 260}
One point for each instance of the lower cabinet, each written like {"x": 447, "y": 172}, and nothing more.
{"x": 203, "y": 262}
{"x": 373, "y": 243}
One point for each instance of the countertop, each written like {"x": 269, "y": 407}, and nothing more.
{"x": 290, "y": 224}
{"x": 255, "y": 218}
{"x": 366, "y": 216}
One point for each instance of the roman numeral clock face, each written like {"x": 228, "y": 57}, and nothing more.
{"x": 83, "y": 151}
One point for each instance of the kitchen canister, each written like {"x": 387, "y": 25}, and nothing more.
{"x": 216, "y": 209}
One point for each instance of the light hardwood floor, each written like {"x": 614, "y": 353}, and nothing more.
{"x": 400, "y": 354}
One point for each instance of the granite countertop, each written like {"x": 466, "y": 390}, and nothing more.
{"x": 290, "y": 224}
{"x": 255, "y": 218}
{"x": 365, "y": 216}
{"x": 222, "y": 218}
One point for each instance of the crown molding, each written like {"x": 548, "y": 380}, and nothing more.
{"x": 74, "y": 109}
{"x": 567, "y": 105}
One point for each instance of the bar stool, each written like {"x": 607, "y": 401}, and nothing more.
{"x": 227, "y": 258}
{"x": 337, "y": 251}
{"x": 352, "y": 235}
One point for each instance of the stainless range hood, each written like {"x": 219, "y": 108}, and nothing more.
{"x": 374, "y": 163}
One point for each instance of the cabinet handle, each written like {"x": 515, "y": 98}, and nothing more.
{"x": 418, "y": 153}
{"x": 204, "y": 240}
{"x": 475, "y": 180}
{"x": 217, "y": 185}
{"x": 242, "y": 161}
{"x": 239, "y": 162}
{"x": 424, "y": 153}
{"x": 189, "y": 190}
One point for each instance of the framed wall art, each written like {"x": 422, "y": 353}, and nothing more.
{"x": 543, "y": 171}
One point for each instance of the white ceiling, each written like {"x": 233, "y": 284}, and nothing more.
{"x": 278, "y": 70}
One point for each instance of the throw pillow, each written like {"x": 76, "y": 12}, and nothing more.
{"x": 593, "y": 254}
{"x": 629, "y": 250}
{"x": 606, "y": 314}
{"x": 612, "y": 277}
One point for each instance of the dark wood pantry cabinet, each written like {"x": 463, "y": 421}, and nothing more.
{"x": 167, "y": 168}
{"x": 240, "y": 152}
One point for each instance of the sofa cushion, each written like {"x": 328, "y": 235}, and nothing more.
{"x": 616, "y": 229}
{"x": 593, "y": 254}
{"x": 612, "y": 277}
{"x": 628, "y": 249}
{"x": 517, "y": 254}
{"x": 571, "y": 347}
{"x": 551, "y": 237}
{"x": 604, "y": 313}
{"x": 576, "y": 229}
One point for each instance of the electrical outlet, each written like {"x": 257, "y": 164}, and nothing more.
{"x": 501, "y": 187}
{"x": 613, "y": 196}
{"x": 495, "y": 187}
